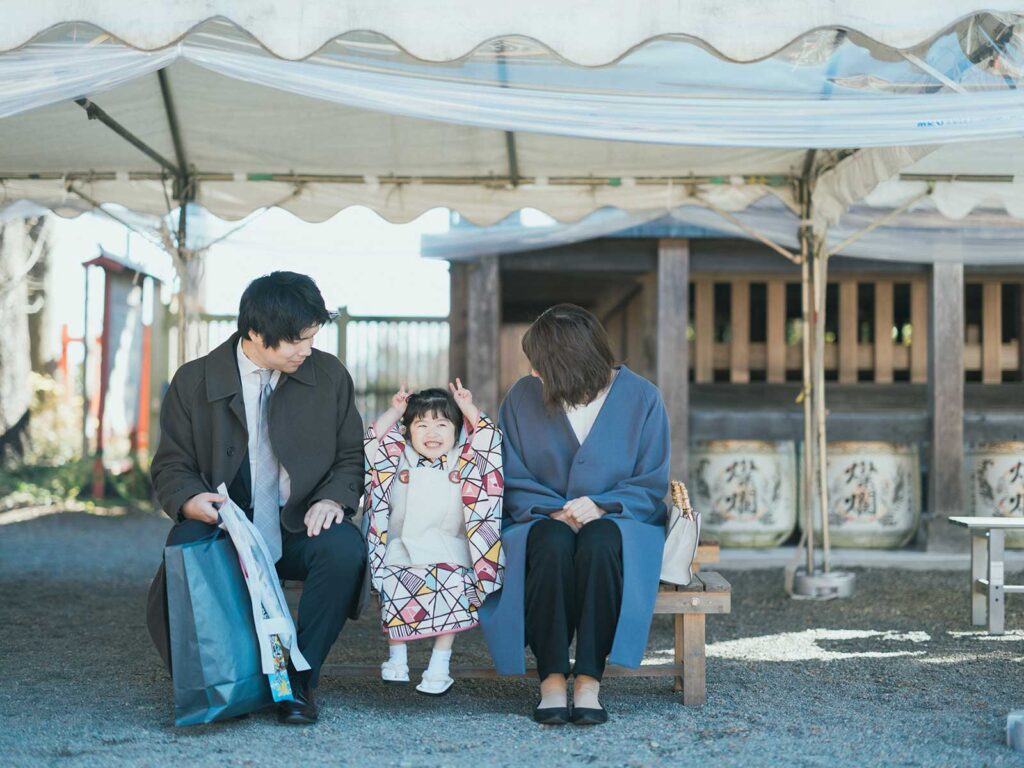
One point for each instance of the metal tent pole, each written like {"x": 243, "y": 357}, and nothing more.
{"x": 806, "y": 332}
{"x": 820, "y": 294}
{"x": 810, "y": 583}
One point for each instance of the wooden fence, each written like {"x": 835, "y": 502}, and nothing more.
{"x": 380, "y": 351}
{"x": 744, "y": 330}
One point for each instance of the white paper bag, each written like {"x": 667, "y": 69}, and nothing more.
{"x": 682, "y": 535}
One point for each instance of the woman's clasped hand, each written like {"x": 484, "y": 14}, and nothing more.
{"x": 578, "y": 512}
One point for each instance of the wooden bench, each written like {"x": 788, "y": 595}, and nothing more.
{"x": 708, "y": 593}
{"x": 988, "y": 581}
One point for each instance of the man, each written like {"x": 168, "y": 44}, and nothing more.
{"x": 274, "y": 420}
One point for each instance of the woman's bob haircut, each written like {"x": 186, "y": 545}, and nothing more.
{"x": 568, "y": 347}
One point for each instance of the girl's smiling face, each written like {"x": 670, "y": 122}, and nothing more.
{"x": 432, "y": 435}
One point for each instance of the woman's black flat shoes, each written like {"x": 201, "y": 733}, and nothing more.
{"x": 564, "y": 715}
{"x": 585, "y": 716}
{"x": 550, "y": 715}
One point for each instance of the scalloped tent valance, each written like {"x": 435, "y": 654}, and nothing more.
{"x": 586, "y": 32}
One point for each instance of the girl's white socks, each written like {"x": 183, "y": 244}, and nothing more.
{"x": 398, "y": 654}
{"x": 440, "y": 661}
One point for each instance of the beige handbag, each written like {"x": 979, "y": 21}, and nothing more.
{"x": 682, "y": 534}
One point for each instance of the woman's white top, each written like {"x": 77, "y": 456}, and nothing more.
{"x": 582, "y": 417}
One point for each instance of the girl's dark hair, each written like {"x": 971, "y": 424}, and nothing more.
{"x": 280, "y": 306}
{"x": 436, "y": 402}
{"x": 569, "y": 348}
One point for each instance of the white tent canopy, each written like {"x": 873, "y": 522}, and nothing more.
{"x": 824, "y": 90}
{"x": 590, "y": 32}
{"x": 365, "y": 122}
{"x": 254, "y": 147}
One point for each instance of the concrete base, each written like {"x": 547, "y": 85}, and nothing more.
{"x": 823, "y": 585}
{"x": 943, "y": 538}
{"x": 1015, "y": 730}
{"x": 736, "y": 559}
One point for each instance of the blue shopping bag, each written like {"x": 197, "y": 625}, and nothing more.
{"x": 215, "y": 654}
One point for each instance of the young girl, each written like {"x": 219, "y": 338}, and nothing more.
{"x": 434, "y": 489}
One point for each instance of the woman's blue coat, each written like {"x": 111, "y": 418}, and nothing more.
{"x": 623, "y": 466}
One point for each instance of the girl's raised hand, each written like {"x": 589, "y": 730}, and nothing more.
{"x": 464, "y": 399}
{"x": 400, "y": 400}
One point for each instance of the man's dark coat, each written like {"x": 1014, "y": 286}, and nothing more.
{"x": 315, "y": 431}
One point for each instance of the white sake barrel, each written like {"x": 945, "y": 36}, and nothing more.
{"x": 874, "y": 494}
{"x": 996, "y": 483}
{"x": 745, "y": 491}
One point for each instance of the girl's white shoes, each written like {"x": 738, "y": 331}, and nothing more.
{"x": 433, "y": 683}
{"x": 394, "y": 672}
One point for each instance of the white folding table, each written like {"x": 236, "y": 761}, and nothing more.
{"x": 988, "y": 583}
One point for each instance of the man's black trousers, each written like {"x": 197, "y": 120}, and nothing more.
{"x": 331, "y": 566}
{"x": 573, "y": 587}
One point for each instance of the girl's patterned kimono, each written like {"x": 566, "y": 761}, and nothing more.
{"x": 436, "y": 598}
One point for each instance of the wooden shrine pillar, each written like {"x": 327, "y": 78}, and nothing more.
{"x": 483, "y": 337}
{"x": 673, "y": 348}
{"x": 918, "y": 321}
{"x": 458, "y": 318}
{"x": 946, "y": 494}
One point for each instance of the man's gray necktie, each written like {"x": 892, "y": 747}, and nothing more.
{"x": 266, "y": 496}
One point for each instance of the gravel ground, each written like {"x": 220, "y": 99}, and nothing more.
{"x": 894, "y": 676}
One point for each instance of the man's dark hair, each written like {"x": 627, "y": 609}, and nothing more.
{"x": 569, "y": 348}
{"x": 280, "y": 306}
{"x": 435, "y": 402}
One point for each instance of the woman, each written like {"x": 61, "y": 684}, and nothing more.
{"x": 586, "y": 471}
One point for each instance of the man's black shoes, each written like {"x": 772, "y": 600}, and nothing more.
{"x": 301, "y": 710}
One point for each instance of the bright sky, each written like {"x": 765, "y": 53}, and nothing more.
{"x": 358, "y": 259}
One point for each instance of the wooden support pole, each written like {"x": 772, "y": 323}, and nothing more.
{"x": 484, "y": 336}
{"x": 341, "y": 321}
{"x": 739, "y": 345}
{"x": 776, "y": 332}
{"x": 946, "y": 405}
{"x": 919, "y": 332}
{"x": 458, "y": 322}
{"x": 991, "y": 333}
{"x": 848, "y": 336}
{"x": 672, "y": 363}
{"x": 1020, "y": 331}
{"x": 704, "y": 330}
{"x": 642, "y": 327}
{"x": 883, "y": 331}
